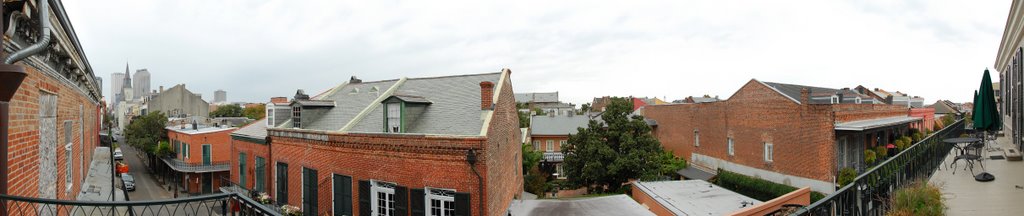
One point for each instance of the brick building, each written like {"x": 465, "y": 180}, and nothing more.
{"x": 549, "y": 132}
{"x": 250, "y": 157}
{"x": 790, "y": 134}
{"x": 54, "y": 113}
{"x": 202, "y": 158}
{"x": 392, "y": 147}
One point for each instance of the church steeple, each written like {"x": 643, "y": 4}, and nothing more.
{"x": 127, "y": 77}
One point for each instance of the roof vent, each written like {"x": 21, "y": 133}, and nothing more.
{"x": 195, "y": 126}
{"x": 354, "y": 80}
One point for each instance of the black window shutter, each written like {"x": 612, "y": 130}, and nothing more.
{"x": 401, "y": 200}
{"x": 342, "y": 195}
{"x": 364, "y": 197}
{"x": 462, "y": 204}
{"x": 310, "y": 190}
{"x": 416, "y": 202}
{"x": 282, "y": 183}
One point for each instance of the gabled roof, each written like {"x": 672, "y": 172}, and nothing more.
{"x": 314, "y": 103}
{"x": 256, "y": 130}
{"x": 410, "y": 99}
{"x": 818, "y": 95}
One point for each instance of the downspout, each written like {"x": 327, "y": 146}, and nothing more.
{"x": 44, "y": 30}
{"x": 471, "y": 159}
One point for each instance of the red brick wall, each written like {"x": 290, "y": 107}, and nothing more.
{"x": 251, "y": 150}
{"x": 802, "y": 135}
{"x": 543, "y": 146}
{"x": 854, "y": 112}
{"x": 503, "y": 153}
{"x": 23, "y": 138}
{"x": 220, "y": 145}
{"x": 927, "y": 117}
{"x": 649, "y": 202}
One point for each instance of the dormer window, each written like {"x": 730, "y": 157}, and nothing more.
{"x": 856, "y": 100}
{"x": 297, "y": 116}
{"x": 393, "y": 117}
{"x": 270, "y": 115}
{"x": 835, "y": 99}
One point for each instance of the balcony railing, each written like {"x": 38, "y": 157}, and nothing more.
{"x": 215, "y": 204}
{"x": 182, "y": 166}
{"x": 228, "y": 186}
{"x": 869, "y": 193}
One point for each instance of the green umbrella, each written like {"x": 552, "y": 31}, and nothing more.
{"x": 986, "y": 117}
{"x": 974, "y": 105}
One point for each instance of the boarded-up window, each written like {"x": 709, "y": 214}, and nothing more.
{"x": 47, "y": 145}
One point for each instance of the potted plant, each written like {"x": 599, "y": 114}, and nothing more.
{"x": 291, "y": 210}
{"x": 263, "y": 198}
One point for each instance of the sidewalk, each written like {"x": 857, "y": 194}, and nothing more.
{"x": 97, "y": 184}
{"x": 965, "y": 196}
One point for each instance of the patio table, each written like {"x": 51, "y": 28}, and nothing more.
{"x": 960, "y": 144}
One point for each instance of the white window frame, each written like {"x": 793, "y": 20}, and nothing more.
{"x": 835, "y": 99}
{"x": 69, "y": 175}
{"x": 696, "y": 138}
{"x": 270, "y": 115}
{"x": 388, "y": 120}
{"x": 376, "y": 187}
{"x": 732, "y": 151}
{"x": 560, "y": 170}
{"x": 550, "y": 146}
{"x": 536, "y": 145}
{"x": 769, "y": 152}
{"x": 857, "y": 100}
{"x": 561, "y": 143}
{"x": 429, "y": 196}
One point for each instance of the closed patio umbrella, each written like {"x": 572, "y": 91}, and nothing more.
{"x": 986, "y": 116}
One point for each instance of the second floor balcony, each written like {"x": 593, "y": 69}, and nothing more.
{"x": 182, "y": 166}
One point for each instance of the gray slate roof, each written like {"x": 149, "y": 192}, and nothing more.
{"x": 557, "y": 125}
{"x": 819, "y": 95}
{"x": 351, "y": 99}
{"x": 454, "y": 108}
{"x": 546, "y": 97}
{"x": 257, "y": 129}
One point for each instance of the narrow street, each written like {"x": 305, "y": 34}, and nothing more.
{"x": 146, "y": 185}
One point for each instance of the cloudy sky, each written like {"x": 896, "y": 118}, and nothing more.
{"x": 258, "y": 49}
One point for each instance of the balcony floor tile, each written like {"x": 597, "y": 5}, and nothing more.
{"x": 965, "y": 196}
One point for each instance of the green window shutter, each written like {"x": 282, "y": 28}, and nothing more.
{"x": 261, "y": 175}
{"x": 364, "y": 198}
{"x": 241, "y": 169}
{"x": 416, "y": 199}
{"x": 462, "y": 204}
{"x": 309, "y": 191}
{"x": 342, "y": 195}
{"x": 401, "y": 200}
{"x": 206, "y": 155}
{"x": 282, "y": 183}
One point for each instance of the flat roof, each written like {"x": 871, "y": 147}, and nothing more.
{"x": 608, "y": 205}
{"x": 874, "y": 123}
{"x": 695, "y": 197}
{"x": 201, "y": 130}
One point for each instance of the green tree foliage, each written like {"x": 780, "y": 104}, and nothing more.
{"x": 756, "y": 188}
{"x": 535, "y": 182}
{"x": 585, "y": 108}
{"x": 146, "y": 131}
{"x": 163, "y": 149}
{"x": 524, "y": 119}
{"x": 919, "y": 198}
{"x": 881, "y": 152}
{"x": 846, "y": 175}
{"x": 229, "y": 110}
{"x": 531, "y": 158}
{"x": 869, "y": 156}
{"x": 607, "y": 154}
{"x": 255, "y": 112}
{"x": 108, "y": 120}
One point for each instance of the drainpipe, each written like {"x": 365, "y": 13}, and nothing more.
{"x": 471, "y": 159}
{"x": 44, "y": 30}
{"x": 10, "y": 77}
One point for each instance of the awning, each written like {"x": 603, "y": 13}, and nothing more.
{"x": 874, "y": 123}
{"x": 693, "y": 173}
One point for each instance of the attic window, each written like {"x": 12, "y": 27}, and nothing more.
{"x": 297, "y": 116}
{"x": 835, "y": 99}
{"x": 393, "y": 117}
{"x": 374, "y": 89}
{"x": 354, "y": 90}
{"x": 857, "y": 100}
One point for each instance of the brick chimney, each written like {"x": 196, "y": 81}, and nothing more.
{"x": 161, "y": 89}
{"x": 279, "y": 100}
{"x": 805, "y": 96}
{"x": 486, "y": 95}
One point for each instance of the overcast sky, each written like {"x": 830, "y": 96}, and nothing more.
{"x": 254, "y": 50}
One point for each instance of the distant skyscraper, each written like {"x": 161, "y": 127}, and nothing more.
{"x": 116, "y": 82}
{"x": 220, "y": 96}
{"x": 140, "y": 86}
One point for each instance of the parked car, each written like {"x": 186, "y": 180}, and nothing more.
{"x": 129, "y": 181}
{"x": 118, "y": 155}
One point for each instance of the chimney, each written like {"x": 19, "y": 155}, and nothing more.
{"x": 195, "y": 126}
{"x": 805, "y": 96}
{"x": 486, "y": 95}
{"x": 279, "y": 100}
{"x": 354, "y": 80}
{"x": 161, "y": 89}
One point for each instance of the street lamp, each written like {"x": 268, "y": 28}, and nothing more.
{"x": 10, "y": 79}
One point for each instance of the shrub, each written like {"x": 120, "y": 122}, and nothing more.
{"x": 918, "y": 137}
{"x": 900, "y": 145}
{"x": 756, "y": 188}
{"x": 869, "y": 156}
{"x": 535, "y": 182}
{"x": 907, "y": 141}
{"x": 881, "y": 152}
{"x": 847, "y": 175}
{"x": 919, "y": 198}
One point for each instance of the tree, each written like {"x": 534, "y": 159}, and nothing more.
{"x": 531, "y": 158}
{"x": 255, "y": 112}
{"x": 229, "y": 110}
{"x": 607, "y": 154}
{"x": 108, "y": 120}
{"x": 146, "y": 131}
{"x": 585, "y": 108}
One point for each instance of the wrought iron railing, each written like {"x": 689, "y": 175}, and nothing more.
{"x": 228, "y": 186}
{"x": 869, "y": 193}
{"x": 182, "y": 166}
{"x": 214, "y": 204}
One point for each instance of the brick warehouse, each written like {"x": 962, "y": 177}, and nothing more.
{"x": 394, "y": 147}
{"x": 202, "y": 156}
{"x": 790, "y": 134}
{"x": 55, "y": 112}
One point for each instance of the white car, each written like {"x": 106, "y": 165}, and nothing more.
{"x": 128, "y": 181}
{"x": 118, "y": 155}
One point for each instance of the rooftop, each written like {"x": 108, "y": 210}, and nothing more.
{"x": 874, "y": 123}
{"x": 540, "y": 97}
{"x": 695, "y": 197}
{"x": 201, "y": 129}
{"x": 608, "y": 205}
{"x": 557, "y": 125}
